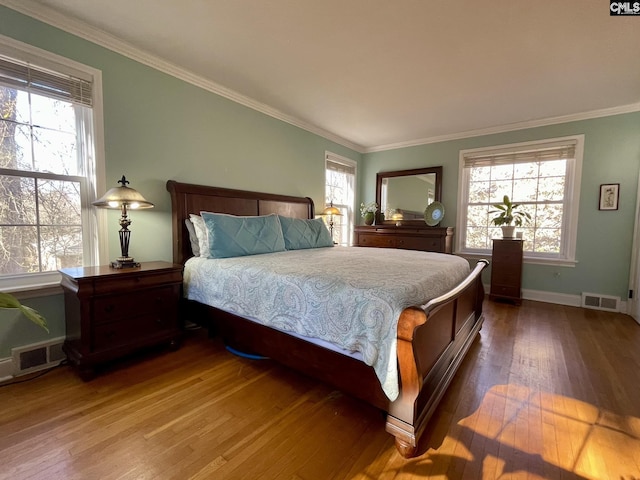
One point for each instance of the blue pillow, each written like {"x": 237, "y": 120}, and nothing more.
{"x": 300, "y": 233}
{"x": 232, "y": 236}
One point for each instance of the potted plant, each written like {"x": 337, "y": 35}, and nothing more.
{"x": 9, "y": 301}
{"x": 368, "y": 212}
{"x": 510, "y": 215}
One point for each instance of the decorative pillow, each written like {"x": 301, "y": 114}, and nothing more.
{"x": 300, "y": 233}
{"x": 193, "y": 237}
{"x": 232, "y": 236}
{"x": 201, "y": 234}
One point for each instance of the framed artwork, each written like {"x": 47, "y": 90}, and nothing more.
{"x": 609, "y": 195}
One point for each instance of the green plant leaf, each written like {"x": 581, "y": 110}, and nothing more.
{"x": 9, "y": 301}
{"x": 34, "y": 316}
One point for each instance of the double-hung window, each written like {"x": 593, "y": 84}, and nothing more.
{"x": 542, "y": 176}
{"x": 47, "y": 165}
{"x": 340, "y": 189}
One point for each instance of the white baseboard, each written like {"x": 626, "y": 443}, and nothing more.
{"x": 6, "y": 369}
{"x": 557, "y": 298}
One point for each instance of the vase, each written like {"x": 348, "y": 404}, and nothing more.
{"x": 369, "y": 218}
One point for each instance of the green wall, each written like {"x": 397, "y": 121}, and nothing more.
{"x": 611, "y": 155}
{"x": 158, "y": 128}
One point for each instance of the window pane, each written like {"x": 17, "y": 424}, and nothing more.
{"x": 17, "y": 200}
{"x": 551, "y": 189}
{"x": 18, "y": 250}
{"x": 61, "y": 247}
{"x": 15, "y": 146}
{"x": 13, "y": 102}
{"x": 547, "y": 240}
{"x": 59, "y": 202}
{"x": 53, "y": 114}
{"x": 477, "y": 237}
{"x": 54, "y": 152}
{"x": 479, "y": 192}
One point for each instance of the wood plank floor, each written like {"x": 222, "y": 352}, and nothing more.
{"x": 547, "y": 392}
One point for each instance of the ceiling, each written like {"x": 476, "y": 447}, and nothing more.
{"x": 377, "y": 74}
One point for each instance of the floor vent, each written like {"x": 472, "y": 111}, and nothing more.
{"x": 37, "y": 356}
{"x": 601, "y": 302}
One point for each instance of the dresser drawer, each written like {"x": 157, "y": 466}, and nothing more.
{"x": 372, "y": 240}
{"x": 111, "y": 308}
{"x": 427, "y": 244}
{"x": 505, "y": 291}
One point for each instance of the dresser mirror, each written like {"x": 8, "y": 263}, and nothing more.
{"x": 403, "y": 195}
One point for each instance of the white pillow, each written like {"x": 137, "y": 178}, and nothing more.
{"x": 201, "y": 233}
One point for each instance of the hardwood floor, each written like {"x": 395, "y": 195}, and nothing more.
{"x": 547, "y": 392}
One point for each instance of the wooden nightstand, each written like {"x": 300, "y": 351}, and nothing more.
{"x": 506, "y": 270}
{"x": 113, "y": 312}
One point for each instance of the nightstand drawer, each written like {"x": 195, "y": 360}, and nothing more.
{"x": 111, "y": 308}
{"x": 131, "y": 330}
{"x": 135, "y": 282}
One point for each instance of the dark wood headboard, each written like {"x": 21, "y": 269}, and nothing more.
{"x": 187, "y": 198}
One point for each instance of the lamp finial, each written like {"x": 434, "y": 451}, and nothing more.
{"x": 123, "y": 181}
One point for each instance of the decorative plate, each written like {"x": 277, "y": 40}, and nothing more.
{"x": 434, "y": 214}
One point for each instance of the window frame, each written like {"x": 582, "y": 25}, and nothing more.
{"x": 350, "y": 217}
{"x": 94, "y": 221}
{"x": 571, "y": 204}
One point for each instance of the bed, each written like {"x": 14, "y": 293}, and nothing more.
{"x": 431, "y": 338}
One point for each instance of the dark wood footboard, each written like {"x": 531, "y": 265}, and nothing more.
{"x": 432, "y": 342}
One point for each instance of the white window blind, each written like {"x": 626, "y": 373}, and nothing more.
{"x": 22, "y": 75}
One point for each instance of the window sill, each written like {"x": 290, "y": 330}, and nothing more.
{"x": 31, "y": 286}
{"x": 555, "y": 262}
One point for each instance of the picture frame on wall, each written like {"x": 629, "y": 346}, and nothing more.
{"x": 609, "y": 196}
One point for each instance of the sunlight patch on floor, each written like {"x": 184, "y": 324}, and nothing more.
{"x": 517, "y": 432}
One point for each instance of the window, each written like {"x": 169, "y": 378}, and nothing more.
{"x": 543, "y": 177}
{"x": 47, "y": 165}
{"x": 340, "y": 190}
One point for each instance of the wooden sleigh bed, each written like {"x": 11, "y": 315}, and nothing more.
{"x": 432, "y": 339}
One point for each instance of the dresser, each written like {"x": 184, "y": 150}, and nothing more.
{"x": 506, "y": 270}
{"x": 111, "y": 312}
{"x": 408, "y": 237}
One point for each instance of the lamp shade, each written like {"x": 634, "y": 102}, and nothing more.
{"x": 117, "y": 197}
{"x": 331, "y": 210}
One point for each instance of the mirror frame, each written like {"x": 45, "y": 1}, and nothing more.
{"x": 380, "y": 176}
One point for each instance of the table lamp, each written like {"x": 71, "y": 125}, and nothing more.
{"x": 123, "y": 198}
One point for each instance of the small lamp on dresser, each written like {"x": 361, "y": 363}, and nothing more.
{"x": 123, "y": 198}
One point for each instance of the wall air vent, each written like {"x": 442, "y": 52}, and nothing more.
{"x": 601, "y": 302}
{"x": 37, "y": 356}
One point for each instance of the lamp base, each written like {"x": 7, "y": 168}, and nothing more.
{"x": 125, "y": 262}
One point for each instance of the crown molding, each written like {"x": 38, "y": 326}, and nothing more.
{"x": 99, "y": 37}
{"x": 605, "y": 112}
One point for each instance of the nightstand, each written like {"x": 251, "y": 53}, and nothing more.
{"x": 506, "y": 270}
{"x": 113, "y": 312}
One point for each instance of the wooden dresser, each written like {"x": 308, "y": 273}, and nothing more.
{"x": 506, "y": 270}
{"x": 408, "y": 237}
{"x": 113, "y": 312}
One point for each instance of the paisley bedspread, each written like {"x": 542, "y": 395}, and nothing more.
{"x": 349, "y": 296}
